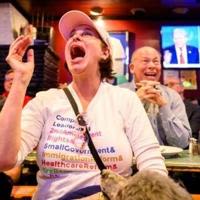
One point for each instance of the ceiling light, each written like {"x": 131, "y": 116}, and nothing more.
{"x": 99, "y": 22}
{"x": 96, "y": 11}
{"x": 180, "y": 10}
{"x": 136, "y": 11}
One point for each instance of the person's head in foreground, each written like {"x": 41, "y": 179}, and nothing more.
{"x": 146, "y": 64}
{"x": 87, "y": 49}
{"x": 175, "y": 84}
{"x": 144, "y": 185}
{"x": 9, "y": 76}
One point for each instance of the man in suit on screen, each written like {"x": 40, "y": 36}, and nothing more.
{"x": 180, "y": 52}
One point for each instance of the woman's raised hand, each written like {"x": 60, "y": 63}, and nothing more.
{"x": 23, "y": 70}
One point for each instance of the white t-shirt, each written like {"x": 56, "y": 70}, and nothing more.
{"x": 117, "y": 124}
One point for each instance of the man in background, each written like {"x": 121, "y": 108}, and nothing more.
{"x": 192, "y": 110}
{"x": 9, "y": 75}
{"x": 12, "y": 176}
{"x": 180, "y": 52}
{"x": 163, "y": 105}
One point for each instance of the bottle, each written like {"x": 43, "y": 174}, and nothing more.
{"x": 193, "y": 146}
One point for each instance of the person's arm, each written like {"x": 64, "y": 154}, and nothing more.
{"x": 141, "y": 137}
{"x": 175, "y": 125}
{"x": 10, "y": 115}
{"x": 174, "y": 120}
{"x": 167, "y": 57}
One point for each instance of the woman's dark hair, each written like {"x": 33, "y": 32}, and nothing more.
{"x": 106, "y": 70}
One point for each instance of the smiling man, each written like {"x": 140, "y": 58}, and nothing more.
{"x": 164, "y": 106}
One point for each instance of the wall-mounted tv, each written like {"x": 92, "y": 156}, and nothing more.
{"x": 180, "y": 46}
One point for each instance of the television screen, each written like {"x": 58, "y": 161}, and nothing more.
{"x": 180, "y": 46}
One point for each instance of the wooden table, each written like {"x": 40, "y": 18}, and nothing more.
{"x": 183, "y": 162}
{"x": 185, "y": 168}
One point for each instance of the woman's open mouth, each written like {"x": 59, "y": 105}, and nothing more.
{"x": 77, "y": 52}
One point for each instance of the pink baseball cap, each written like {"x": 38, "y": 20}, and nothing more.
{"x": 74, "y": 18}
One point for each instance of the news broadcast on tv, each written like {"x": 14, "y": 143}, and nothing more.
{"x": 180, "y": 46}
